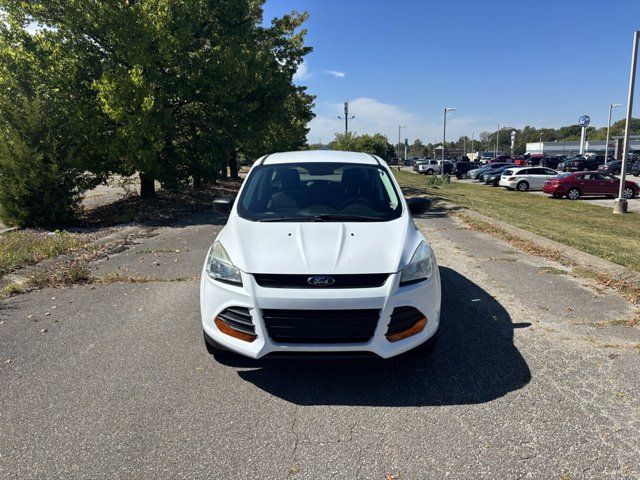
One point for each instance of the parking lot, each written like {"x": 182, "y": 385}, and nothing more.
{"x": 534, "y": 376}
{"x": 633, "y": 204}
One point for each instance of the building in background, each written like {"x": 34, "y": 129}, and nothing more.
{"x": 595, "y": 146}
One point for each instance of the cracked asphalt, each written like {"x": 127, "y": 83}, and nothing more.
{"x": 532, "y": 378}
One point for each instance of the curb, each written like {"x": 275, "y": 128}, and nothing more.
{"x": 578, "y": 257}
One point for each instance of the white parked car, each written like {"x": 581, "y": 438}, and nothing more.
{"x": 432, "y": 166}
{"x": 527, "y": 178}
{"x": 320, "y": 254}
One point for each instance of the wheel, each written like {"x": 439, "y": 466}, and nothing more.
{"x": 555, "y": 195}
{"x": 523, "y": 186}
{"x": 496, "y": 182}
{"x": 430, "y": 171}
{"x": 573, "y": 194}
{"x": 628, "y": 193}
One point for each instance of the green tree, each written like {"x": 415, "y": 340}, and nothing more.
{"x": 54, "y": 134}
{"x": 185, "y": 84}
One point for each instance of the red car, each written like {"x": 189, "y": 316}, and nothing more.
{"x": 500, "y": 159}
{"x": 522, "y": 161}
{"x": 576, "y": 185}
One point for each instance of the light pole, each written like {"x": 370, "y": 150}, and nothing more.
{"x": 540, "y": 143}
{"x": 473, "y": 136}
{"x": 444, "y": 132}
{"x": 500, "y": 125}
{"x": 400, "y": 127}
{"x": 620, "y": 205}
{"x": 606, "y": 145}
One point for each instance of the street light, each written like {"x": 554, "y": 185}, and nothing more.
{"x": 606, "y": 145}
{"x": 540, "y": 143}
{"x": 620, "y": 205}
{"x": 400, "y": 127}
{"x": 444, "y": 132}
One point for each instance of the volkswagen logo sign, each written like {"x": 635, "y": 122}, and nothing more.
{"x": 320, "y": 281}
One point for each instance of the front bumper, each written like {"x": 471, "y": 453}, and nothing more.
{"x": 216, "y": 297}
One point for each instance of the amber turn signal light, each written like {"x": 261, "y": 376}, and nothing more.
{"x": 416, "y": 328}
{"x": 232, "y": 332}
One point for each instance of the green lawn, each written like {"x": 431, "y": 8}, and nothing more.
{"x": 587, "y": 227}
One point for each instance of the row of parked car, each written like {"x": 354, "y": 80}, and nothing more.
{"x": 572, "y": 185}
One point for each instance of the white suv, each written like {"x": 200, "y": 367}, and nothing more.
{"x": 320, "y": 254}
{"x": 529, "y": 178}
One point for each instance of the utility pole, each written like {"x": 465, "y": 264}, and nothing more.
{"x": 620, "y": 205}
{"x": 346, "y": 117}
{"x": 444, "y": 134}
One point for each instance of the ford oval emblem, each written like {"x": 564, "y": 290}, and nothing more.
{"x": 320, "y": 281}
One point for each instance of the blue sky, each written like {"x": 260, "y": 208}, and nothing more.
{"x": 542, "y": 63}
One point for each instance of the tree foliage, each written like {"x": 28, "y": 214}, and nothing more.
{"x": 171, "y": 90}
{"x": 376, "y": 144}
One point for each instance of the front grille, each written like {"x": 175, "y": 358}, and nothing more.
{"x": 403, "y": 318}
{"x": 321, "y": 326}
{"x": 367, "y": 280}
{"x": 239, "y": 319}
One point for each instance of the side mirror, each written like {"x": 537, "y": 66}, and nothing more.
{"x": 418, "y": 205}
{"x": 222, "y": 205}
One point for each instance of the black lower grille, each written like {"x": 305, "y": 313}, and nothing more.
{"x": 403, "y": 318}
{"x": 239, "y": 319}
{"x": 321, "y": 326}
{"x": 366, "y": 280}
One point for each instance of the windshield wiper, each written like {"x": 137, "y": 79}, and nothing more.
{"x": 323, "y": 217}
{"x": 301, "y": 218}
{"x": 347, "y": 218}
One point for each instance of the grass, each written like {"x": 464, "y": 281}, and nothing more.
{"x": 589, "y": 228}
{"x": 69, "y": 273}
{"x": 18, "y": 249}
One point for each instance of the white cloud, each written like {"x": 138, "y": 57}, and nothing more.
{"x": 374, "y": 116}
{"x": 302, "y": 73}
{"x": 335, "y": 73}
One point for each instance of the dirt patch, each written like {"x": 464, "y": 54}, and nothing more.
{"x": 165, "y": 208}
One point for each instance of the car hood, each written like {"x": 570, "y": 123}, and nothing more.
{"x": 320, "y": 247}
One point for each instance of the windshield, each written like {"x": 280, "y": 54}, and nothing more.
{"x": 319, "y": 192}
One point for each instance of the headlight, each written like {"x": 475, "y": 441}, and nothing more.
{"x": 420, "y": 267}
{"x": 220, "y": 267}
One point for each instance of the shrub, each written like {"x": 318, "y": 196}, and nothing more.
{"x": 39, "y": 187}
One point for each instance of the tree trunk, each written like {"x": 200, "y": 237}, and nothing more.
{"x": 233, "y": 164}
{"x": 197, "y": 182}
{"x": 147, "y": 186}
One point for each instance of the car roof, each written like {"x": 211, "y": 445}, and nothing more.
{"x": 318, "y": 156}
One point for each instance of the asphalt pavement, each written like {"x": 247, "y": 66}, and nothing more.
{"x": 532, "y": 378}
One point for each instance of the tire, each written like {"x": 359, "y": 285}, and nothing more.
{"x": 522, "y": 186}
{"x": 430, "y": 171}
{"x": 628, "y": 193}
{"x": 573, "y": 194}
{"x": 555, "y": 195}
